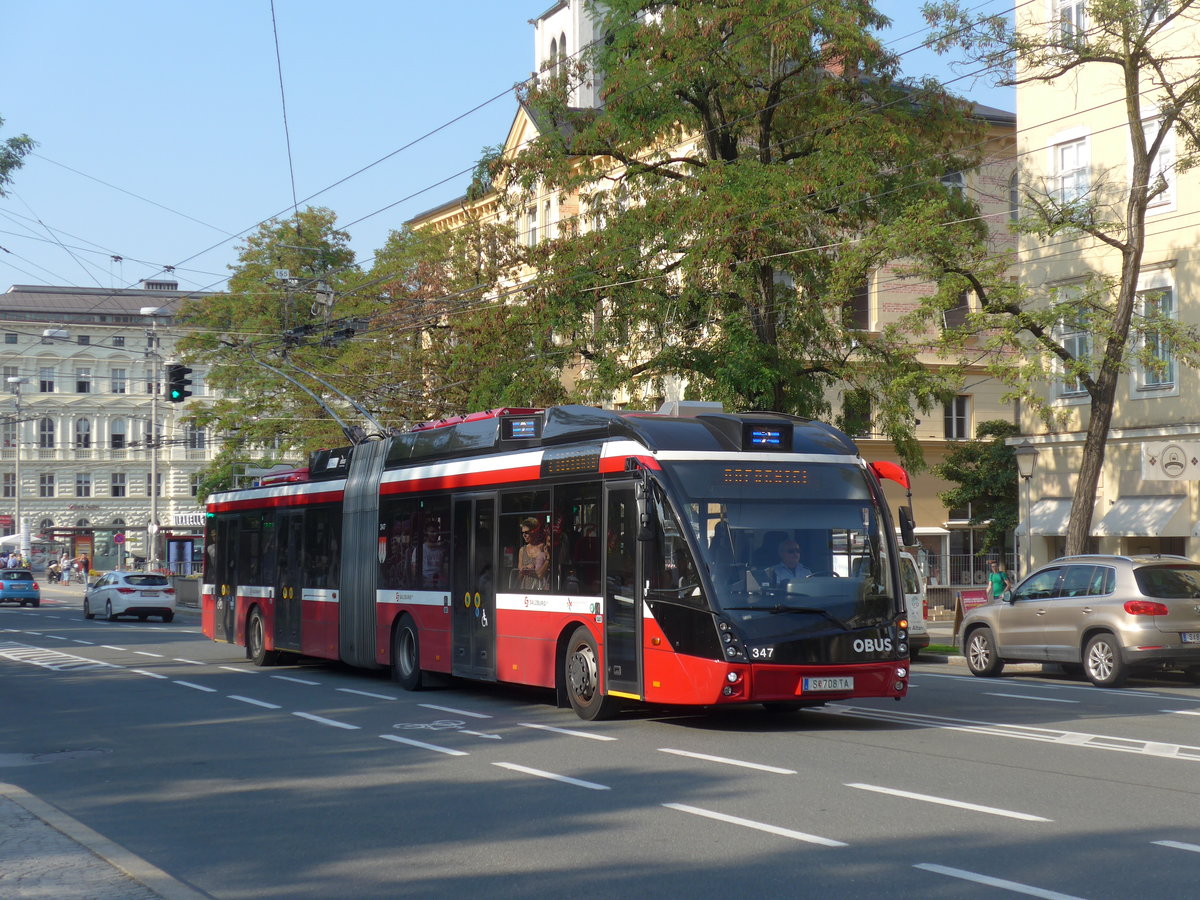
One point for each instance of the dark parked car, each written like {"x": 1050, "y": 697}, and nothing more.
{"x": 1103, "y": 616}
{"x": 18, "y": 586}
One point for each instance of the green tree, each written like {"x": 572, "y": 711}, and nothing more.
{"x": 1035, "y": 334}
{"x": 12, "y": 156}
{"x": 742, "y": 154}
{"x": 264, "y": 322}
{"x": 985, "y": 472}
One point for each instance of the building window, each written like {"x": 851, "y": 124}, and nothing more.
{"x": 1161, "y": 181}
{"x": 10, "y": 484}
{"x": 195, "y": 485}
{"x": 46, "y": 433}
{"x": 83, "y": 434}
{"x": 83, "y": 339}
{"x": 1155, "y": 11}
{"x": 118, "y": 340}
{"x": 8, "y": 435}
{"x": 954, "y": 183}
{"x": 46, "y": 380}
{"x": 1014, "y": 198}
{"x": 956, "y": 316}
{"x": 83, "y": 484}
{"x": 195, "y": 438}
{"x": 83, "y": 381}
{"x": 116, "y": 433}
{"x": 1077, "y": 342}
{"x": 118, "y": 381}
{"x": 1157, "y": 369}
{"x": 118, "y": 485}
{"x": 856, "y": 414}
{"x": 1070, "y": 171}
{"x": 46, "y": 484}
{"x": 158, "y": 483}
{"x": 1072, "y": 21}
{"x": 7, "y": 373}
{"x": 532, "y": 227}
{"x": 858, "y": 309}
{"x": 10, "y": 338}
{"x": 958, "y": 418}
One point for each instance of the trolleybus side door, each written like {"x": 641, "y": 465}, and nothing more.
{"x": 289, "y": 533}
{"x": 473, "y": 586}
{"x": 622, "y": 594}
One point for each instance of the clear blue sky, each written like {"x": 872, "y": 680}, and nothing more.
{"x": 161, "y": 134}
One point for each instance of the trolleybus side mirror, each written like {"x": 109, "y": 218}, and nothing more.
{"x": 907, "y": 535}
{"x": 647, "y": 518}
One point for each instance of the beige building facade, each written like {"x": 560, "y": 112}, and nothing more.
{"x": 1074, "y": 144}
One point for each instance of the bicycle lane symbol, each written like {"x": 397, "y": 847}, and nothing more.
{"x": 444, "y": 725}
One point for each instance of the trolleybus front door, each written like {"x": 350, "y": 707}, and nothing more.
{"x": 473, "y": 583}
{"x": 622, "y": 595}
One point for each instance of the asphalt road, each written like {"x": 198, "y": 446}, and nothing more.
{"x": 316, "y": 781}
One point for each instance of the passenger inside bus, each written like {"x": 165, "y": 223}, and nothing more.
{"x": 533, "y": 559}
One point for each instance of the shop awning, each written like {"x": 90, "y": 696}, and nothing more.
{"x": 1144, "y": 517}
{"x": 1048, "y": 517}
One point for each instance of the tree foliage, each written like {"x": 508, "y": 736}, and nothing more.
{"x": 1155, "y": 83}
{"x": 742, "y": 153}
{"x": 12, "y": 156}
{"x": 985, "y": 472}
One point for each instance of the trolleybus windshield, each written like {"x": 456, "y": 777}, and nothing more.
{"x": 780, "y": 541}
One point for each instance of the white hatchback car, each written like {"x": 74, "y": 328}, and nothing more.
{"x": 140, "y": 594}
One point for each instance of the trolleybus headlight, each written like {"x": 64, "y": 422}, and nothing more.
{"x": 902, "y": 648}
{"x": 901, "y": 672}
{"x": 733, "y": 677}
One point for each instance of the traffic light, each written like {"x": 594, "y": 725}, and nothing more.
{"x": 178, "y": 382}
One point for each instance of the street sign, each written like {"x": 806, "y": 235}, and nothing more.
{"x": 119, "y": 537}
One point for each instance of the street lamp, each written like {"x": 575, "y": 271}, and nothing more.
{"x": 22, "y": 533}
{"x": 1026, "y": 455}
{"x": 152, "y": 527}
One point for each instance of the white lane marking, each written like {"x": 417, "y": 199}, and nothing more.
{"x": 1058, "y": 686}
{"x": 1020, "y": 732}
{"x": 264, "y": 704}
{"x": 1030, "y": 697}
{"x": 423, "y": 745}
{"x": 758, "y": 826}
{"x": 729, "y": 762}
{"x": 150, "y": 674}
{"x": 146, "y": 653}
{"x": 944, "y": 801}
{"x": 111, "y": 647}
{"x": 1002, "y": 883}
{"x": 366, "y": 694}
{"x": 451, "y": 709}
{"x": 1183, "y": 712}
{"x": 321, "y": 720}
{"x": 55, "y": 637}
{"x": 237, "y": 669}
{"x": 568, "y": 731}
{"x": 198, "y": 687}
{"x": 539, "y": 773}
{"x": 50, "y": 659}
{"x": 296, "y": 680}
{"x": 87, "y": 643}
{"x": 1176, "y": 845}
{"x": 190, "y": 662}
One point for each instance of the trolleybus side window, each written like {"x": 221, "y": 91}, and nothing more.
{"x": 525, "y": 540}
{"x": 322, "y": 546}
{"x": 431, "y": 555}
{"x": 249, "y": 547}
{"x": 575, "y": 539}
{"x": 399, "y": 533}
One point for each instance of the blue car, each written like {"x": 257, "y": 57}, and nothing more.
{"x": 18, "y": 586}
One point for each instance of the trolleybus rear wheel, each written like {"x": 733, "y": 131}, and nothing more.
{"x": 256, "y": 641}
{"x": 581, "y": 677}
{"x": 406, "y": 654}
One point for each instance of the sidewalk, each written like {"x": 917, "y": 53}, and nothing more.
{"x": 46, "y": 853}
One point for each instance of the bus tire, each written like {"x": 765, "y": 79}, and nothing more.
{"x": 581, "y": 678}
{"x": 406, "y": 654}
{"x": 256, "y": 640}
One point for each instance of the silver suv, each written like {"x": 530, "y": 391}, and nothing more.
{"x": 1101, "y": 616}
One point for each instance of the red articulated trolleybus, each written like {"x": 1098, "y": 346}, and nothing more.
{"x": 611, "y": 556}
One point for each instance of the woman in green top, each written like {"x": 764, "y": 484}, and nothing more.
{"x": 999, "y": 581}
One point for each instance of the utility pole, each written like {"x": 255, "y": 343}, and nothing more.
{"x": 152, "y": 354}
{"x": 18, "y": 521}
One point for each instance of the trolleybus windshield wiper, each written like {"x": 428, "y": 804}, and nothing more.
{"x": 810, "y": 610}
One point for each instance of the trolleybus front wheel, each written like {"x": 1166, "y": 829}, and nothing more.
{"x": 581, "y": 677}
{"x": 406, "y": 654}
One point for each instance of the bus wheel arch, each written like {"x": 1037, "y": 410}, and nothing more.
{"x": 256, "y": 639}
{"x": 580, "y": 677}
{"x": 406, "y": 653}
